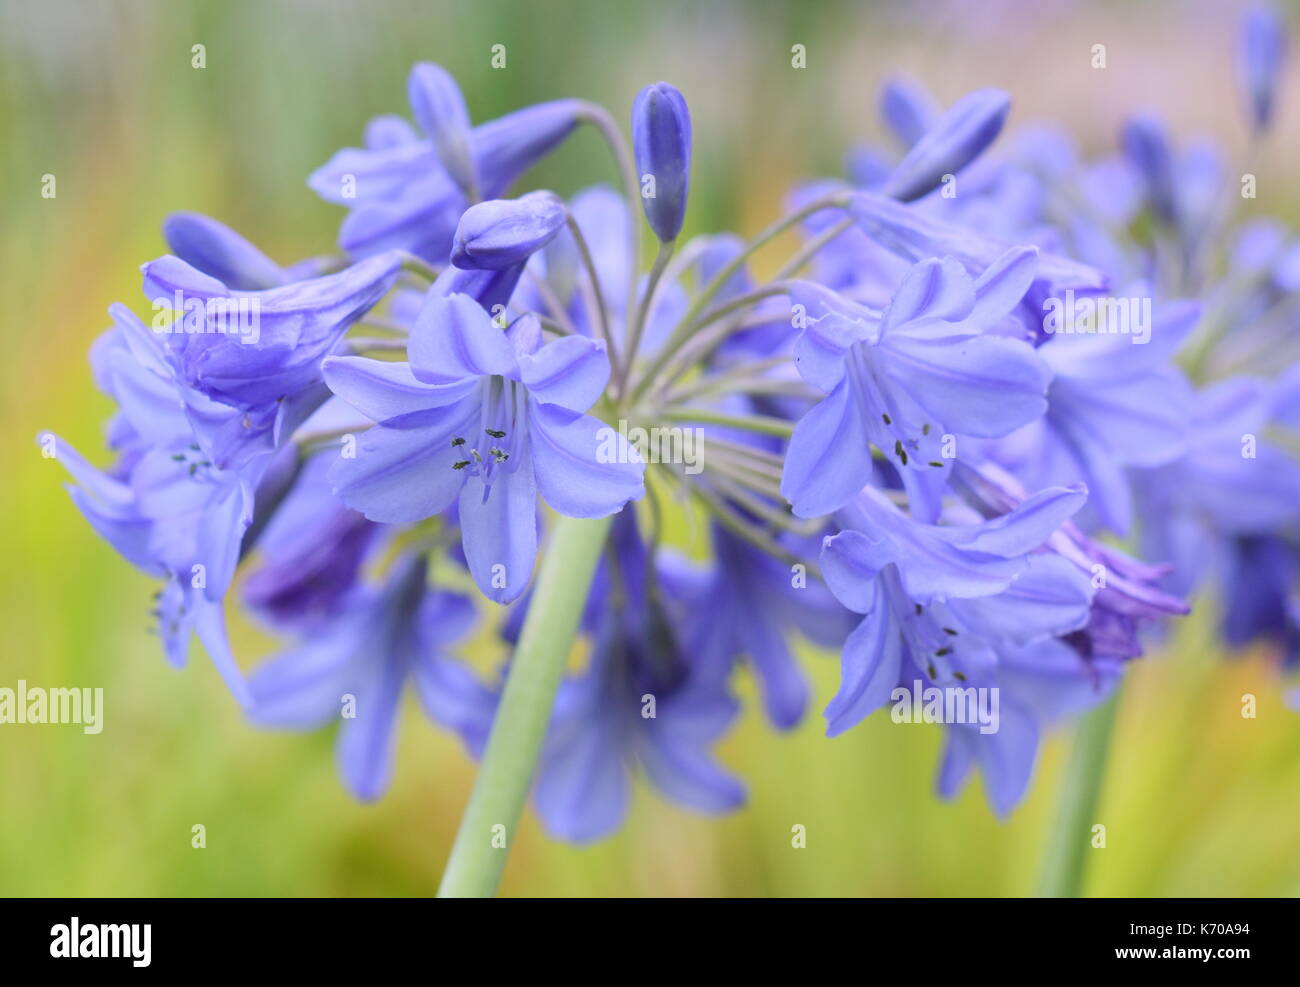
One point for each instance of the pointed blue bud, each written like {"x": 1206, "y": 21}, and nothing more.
{"x": 953, "y": 142}
{"x": 661, "y": 141}
{"x": 1263, "y": 49}
{"x": 503, "y": 232}
{"x": 907, "y": 109}
{"x": 440, "y": 111}
{"x": 1146, "y": 145}
{"x": 220, "y": 252}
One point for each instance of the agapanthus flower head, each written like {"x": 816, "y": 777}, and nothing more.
{"x": 906, "y": 452}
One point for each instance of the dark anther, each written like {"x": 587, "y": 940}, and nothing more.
{"x": 494, "y": 433}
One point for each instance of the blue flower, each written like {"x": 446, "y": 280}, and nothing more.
{"x": 256, "y": 355}
{"x": 748, "y": 604}
{"x": 166, "y": 507}
{"x": 294, "y": 326}
{"x": 915, "y": 236}
{"x": 1111, "y": 406}
{"x": 402, "y": 195}
{"x": 488, "y": 419}
{"x": 905, "y": 378}
{"x": 1229, "y": 483}
{"x": 645, "y": 700}
{"x": 310, "y": 553}
{"x": 948, "y": 604}
{"x": 356, "y": 666}
{"x": 1128, "y": 598}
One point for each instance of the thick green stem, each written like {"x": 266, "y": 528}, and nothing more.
{"x": 488, "y": 827}
{"x": 1064, "y": 868}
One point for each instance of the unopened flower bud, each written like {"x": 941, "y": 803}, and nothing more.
{"x": 661, "y": 141}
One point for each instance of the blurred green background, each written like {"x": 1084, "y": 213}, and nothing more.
{"x": 1198, "y": 801}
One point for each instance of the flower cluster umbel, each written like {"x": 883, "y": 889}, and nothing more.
{"x": 905, "y": 459}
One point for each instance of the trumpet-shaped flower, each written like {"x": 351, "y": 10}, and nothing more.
{"x": 904, "y": 380}
{"x": 488, "y": 419}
